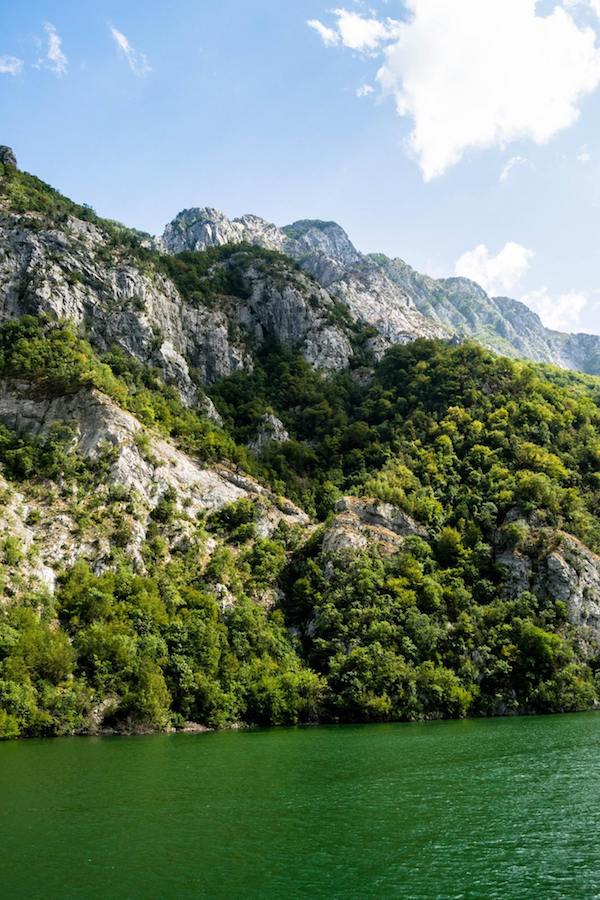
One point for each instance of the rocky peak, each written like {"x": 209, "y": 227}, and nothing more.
{"x": 198, "y": 229}
{"x": 325, "y": 251}
{"x": 518, "y": 312}
{"x": 464, "y": 286}
{"x": 7, "y": 156}
{"x": 327, "y": 238}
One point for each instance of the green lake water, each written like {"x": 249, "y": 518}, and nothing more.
{"x": 494, "y": 808}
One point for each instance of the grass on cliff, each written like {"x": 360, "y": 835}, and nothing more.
{"x": 25, "y": 194}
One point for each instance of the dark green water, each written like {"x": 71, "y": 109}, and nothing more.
{"x": 500, "y": 808}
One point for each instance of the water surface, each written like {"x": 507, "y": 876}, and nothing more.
{"x": 495, "y": 808}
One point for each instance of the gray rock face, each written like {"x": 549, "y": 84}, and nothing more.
{"x": 321, "y": 248}
{"x": 361, "y": 522}
{"x": 328, "y": 238}
{"x": 146, "y": 468}
{"x": 518, "y": 571}
{"x": 389, "y": 295}
{"x": 199, "y": 229}
{"x": 287, "y": 306}
{"x": 101, "y": 424}
{"x": 501, "y": 324}
{"x": 373, "y": 298}
{"x": 73, "y": 273}
{"x": 7, "y": 156}
{"x": 570, "y": 573}
{"x": 270, "y": 431}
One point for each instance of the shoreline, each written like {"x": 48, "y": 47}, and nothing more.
{"x": 195, "y": 728}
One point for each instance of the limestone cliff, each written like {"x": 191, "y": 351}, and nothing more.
{"x": 140, "y": 469}
{"x": 388, "y": 294}
{"x": 74, "y": 270}
{"x": 324, "y": 250}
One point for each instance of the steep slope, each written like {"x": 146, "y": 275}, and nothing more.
{"x": 140, "y": 465}
{"x": 324, "y": 250}
{"x": 399, "y": 302}
{"x": 146, "y": 585}
{"x": 499, "y": 323}
{"x": 211, "y": 315}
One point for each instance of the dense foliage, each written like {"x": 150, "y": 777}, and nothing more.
{"x": 26, "y": 194}
{"x": 453, "y": 435}
{"x": 153, "y": 651}
{"x": 427, "y": 633}
{"x": 200, "y": 277}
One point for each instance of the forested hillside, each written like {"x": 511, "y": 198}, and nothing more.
{"x": 224, "y": 501}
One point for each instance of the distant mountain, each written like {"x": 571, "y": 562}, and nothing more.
{"x": 388, "y": 294}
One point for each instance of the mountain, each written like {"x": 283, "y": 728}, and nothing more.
{"x": 499, "y": 323}
{"x": 388, "y": 294}
{"x": 248, "y": 481}
{"x": 324, "y": 250}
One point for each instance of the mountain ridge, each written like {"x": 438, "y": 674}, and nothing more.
{"x": 376, "y": 287}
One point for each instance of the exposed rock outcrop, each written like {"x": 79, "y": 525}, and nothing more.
{"x": 72, "y": 272}
{"x": 570, "y": 573}
{"x": 321, "y": 248}
{"x": 501, "y": 324}
{"x": 142, "y": 464}
{"x": 518, "y": 571}
{"x": 388, "y": 294}
{"x": 360, "y": 522}
{"x": 198, "y": 229}
{"x": 271, "y": 430}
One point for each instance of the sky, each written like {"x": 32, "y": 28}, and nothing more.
{"x": 460, "y": 135}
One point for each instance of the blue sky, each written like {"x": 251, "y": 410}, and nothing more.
{"x": 143, "y": 109}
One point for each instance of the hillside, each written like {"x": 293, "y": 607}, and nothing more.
{"x": 399, "y": 302}
{"x": 232, "y": 492}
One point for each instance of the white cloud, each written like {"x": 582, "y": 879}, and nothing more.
{"x": 364, "y": 90}
{"x": 362, "y": 34}
{"x": 138, "y": 62}
{"x": 510, "y": 165}
{"x": 10, "y": 65}
{"x": 473, "y": 74}
{"x": 329, "y": 36}
{"x": 501, "y": 274}
{"x": 55, "y": 59}
{"x": 562, "y": 312}
{"x": 356, "y": 32}
{"x": 496, "y": 274}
